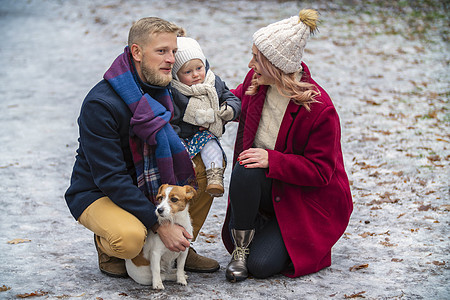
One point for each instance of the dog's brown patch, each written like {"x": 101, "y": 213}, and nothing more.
{"x": 179, "y": 196}
{"x": 140, "y": 260}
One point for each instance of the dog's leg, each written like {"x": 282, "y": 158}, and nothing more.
{"x": 155, "y": 263}
{"x": 170, "y": 274}
{"x": 181, "y": 275}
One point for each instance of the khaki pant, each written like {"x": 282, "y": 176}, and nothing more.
{"x": 122, "y": 235}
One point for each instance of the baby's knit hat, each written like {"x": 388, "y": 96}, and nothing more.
{"x": 283, "y": 42}
{"x": 188, "y": 49}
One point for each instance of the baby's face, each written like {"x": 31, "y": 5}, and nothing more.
{"x": 192, "y": 72}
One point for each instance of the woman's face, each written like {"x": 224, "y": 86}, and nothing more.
{"x": 261, "y": 76}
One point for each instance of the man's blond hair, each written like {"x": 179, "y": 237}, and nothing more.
{"x": 141, "y": 31}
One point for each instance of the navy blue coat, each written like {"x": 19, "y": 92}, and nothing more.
{"x": 104, "y": 164}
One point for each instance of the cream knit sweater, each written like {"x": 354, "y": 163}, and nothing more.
{"x": 273, "y": 112}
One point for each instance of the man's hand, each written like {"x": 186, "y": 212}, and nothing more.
{"x": 174, "y": 237}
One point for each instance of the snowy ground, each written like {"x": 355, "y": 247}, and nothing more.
{"x": 385, "y": 67}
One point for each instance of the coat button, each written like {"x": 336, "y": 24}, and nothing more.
{"x": 277, "y": 199}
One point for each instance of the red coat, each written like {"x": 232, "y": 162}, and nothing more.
{"x": 310, "y": 190}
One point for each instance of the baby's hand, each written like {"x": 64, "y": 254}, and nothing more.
{"x": 226, "y": 112}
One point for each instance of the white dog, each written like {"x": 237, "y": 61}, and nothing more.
{"x": 155, "y": 263}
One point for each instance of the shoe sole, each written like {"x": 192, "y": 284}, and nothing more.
{"x": 202, "y": 270}
{"x": 114, "y": 275}
{"x": 215, "y": 190}
{"x": 234, "y": 279}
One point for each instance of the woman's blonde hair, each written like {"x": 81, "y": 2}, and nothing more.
{"x": 288, "y": 85}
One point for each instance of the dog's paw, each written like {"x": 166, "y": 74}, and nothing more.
{"x": 158, "y": 285}
{"x": 182, "y": 280}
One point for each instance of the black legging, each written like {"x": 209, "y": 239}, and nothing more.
{"x": 251, "y": 197}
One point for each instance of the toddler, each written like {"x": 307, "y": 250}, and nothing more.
{"x": 203, "y": 104}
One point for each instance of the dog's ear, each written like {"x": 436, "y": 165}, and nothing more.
{"x": 163, "y": 186}
{"x": 190, "y": 192}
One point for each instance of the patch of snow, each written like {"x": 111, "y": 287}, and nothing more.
{"x": 391, "y": 93}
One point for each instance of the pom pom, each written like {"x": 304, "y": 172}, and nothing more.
{"x": 204, "y": 117}
{"x": 309, "y": 17}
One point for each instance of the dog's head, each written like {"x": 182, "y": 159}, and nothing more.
{"x": 172, "y": 199}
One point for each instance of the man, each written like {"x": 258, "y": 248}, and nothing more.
{"x": 127, "y": 149}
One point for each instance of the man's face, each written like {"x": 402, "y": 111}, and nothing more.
{"x": 157, "y": 58}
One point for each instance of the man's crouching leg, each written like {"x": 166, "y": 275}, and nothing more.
{"x": 118, "y": 235}
{"x": 199, "y": 209}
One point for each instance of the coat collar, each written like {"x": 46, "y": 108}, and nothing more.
{"x": 254, "y": 112}
{"x": 291, "y": 113}
{"x": 253, "y": 116}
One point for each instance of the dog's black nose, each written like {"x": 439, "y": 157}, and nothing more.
{"x": 160, "y": 210}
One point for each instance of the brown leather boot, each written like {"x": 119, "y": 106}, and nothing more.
{"x": 200, "y": 264}
{"x": 110, "y": 265}
{"x": 215, "y": 181}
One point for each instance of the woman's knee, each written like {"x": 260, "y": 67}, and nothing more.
{"x": 242, "y": 176}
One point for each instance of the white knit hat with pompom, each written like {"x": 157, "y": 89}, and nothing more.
{"x": 188, "y": 49}
{"x": 283, "y": 42}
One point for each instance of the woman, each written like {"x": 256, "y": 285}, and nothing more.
{"x": 289, "y": 196}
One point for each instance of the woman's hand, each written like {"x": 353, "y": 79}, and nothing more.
{"x": 254, "y": 158}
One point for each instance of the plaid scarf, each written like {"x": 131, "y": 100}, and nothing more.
{"x": 150, "y": 128}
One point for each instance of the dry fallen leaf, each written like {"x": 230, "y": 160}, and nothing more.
{"x": 422, "y": 182}
{"x": 397, "y": 259}
{"x": 366, "y": 234}
{"x": 357, "y": 295}
{"x": 4, "y": 288}
{"x": 445, "y": 207}
{"x": 207, "y": 235}
{"x": 18, "y": 241}
{"x": 371, "y": 102}
{"x": 70, "y": 296}
{"x": 424, "y": 207}
{"x": 439, "y": 263}
{"x": 387, "y": 244}
{"x": 434, "y": 158}
{"x": 358, "y": 267}
{"x": 34, "y": 294}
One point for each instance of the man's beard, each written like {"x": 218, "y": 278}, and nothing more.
{"x": 153, "y": 77}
